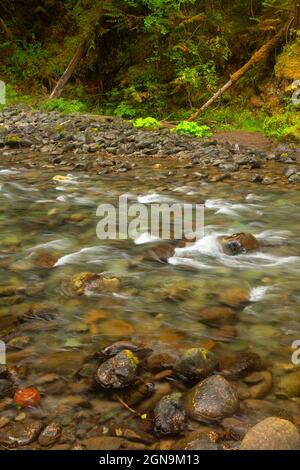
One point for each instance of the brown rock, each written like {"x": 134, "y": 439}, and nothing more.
{"x": 235, "y": 428}
{"x": 196, "y": 363}
{"x": 45, "y": 260}
{"x": 21, "y": 433}
{"x": 211, "y": 400}
{"x": 160, "y": 253}
{"x": 115, "y": 328}
{"x": 161, "y": 360}
{"x": 203, "y": 439}
{"x": 169, "y": 417}
{"x": 234, "y": 297}
{"x": 239, "y": 243}
{"x": 94, "y": 316}
{"x": 289, "y": 385}
{"x": 216, "y": 314}
{"x": 260, "y": 383}
{"x": 240, "y": 364}
{"x": 93, "y": 282}
{"x": 102, "y": 443}
{"x": 272, "y": 434}
{"x": 118, "y": 371}
{"x": 50, "y": 435}
{"x": 9, "y": 291}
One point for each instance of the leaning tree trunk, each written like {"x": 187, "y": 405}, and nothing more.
{"x": 79, "y": 53}
{"x": 56, "y": 92}
{"x": 257, "y": 57}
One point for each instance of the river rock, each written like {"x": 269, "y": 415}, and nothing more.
{"x": 21, "y": 433}
{"x": 202, "y": 439}
{"x": 161, "y": 360}
{"x": 196, "y": 363}
{"x": 169, "y": 417}
{"x": 272, "y": 434}
{"x": 289, "y": 385}
{"x": 103, "y": 443}
{"x": 240, "y": 364}
{"x": 211, "y": 400}
{"x": 118, "y": 346}
{"x": 235, "y": 297}
{"x": 95, "y": 283}
{"x": 161, "y": 252}
{"x": 217, "y": 314}
{"x": 239, "y": 243}
{"x": 118, "y": 371}
{"x": 260, "y": 383}
{"x": 50, "y": 435}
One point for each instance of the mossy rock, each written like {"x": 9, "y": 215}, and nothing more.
{"x": 13, "y": 140}
{"x": 288, "y": 63}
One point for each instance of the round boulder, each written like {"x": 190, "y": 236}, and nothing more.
{"x": 272, "y": 434}
{"x": 211, "y": 400}
{"x": 196, "y": 363}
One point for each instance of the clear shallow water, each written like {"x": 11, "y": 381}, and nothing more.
{"x": 40, "y": 215}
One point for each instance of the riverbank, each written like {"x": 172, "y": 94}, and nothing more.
{"x": 111, "y": 145}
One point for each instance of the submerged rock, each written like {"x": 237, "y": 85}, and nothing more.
{"x": 95, "y": 283}
{"x": 217, "y": 314}
{"x": 240, "y": 364}
{"x": 169, "y": 417}
{"x": 235, "y": 297}
{"x": 238, "y": 244}
{"x": 118, "y": 371}
{"x": 289, "y": 385}
{"x": 272, "y": 434}
{"x": 196, "y": 363}
{"x": 211, "y": 400}
{"x": 21, "y": 433}
{"x": 203, "y": 439}
{"x": 260, "y": 384}
{"x": 50, "y": 434}
{"x": 118, "y": 346}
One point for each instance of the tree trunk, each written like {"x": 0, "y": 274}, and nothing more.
{"x": 97, "y": 14}
{"x": 68, "y": 72}
{"x": 296, "y": 23}
{"x": 257, "y": 57}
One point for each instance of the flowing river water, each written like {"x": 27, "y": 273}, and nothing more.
{"x": 48, "y": 234}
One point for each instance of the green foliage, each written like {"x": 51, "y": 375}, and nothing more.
{"x": 148, "y": 122}
{"x": 193, "y": 129}
{"x": 65, "y": 106}
{"x": 27, "y": 61}
{"x": 125, "y": 110}
{"x": 282, "y": 126}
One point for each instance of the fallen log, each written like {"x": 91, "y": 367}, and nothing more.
{"x": 260, "y": 55}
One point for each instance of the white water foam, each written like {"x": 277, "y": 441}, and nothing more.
{"x": 210, "y": 248}
{"x": 145, "y": 238}
{"x": 258, "y": 293}
{"x": 85, "y": 255}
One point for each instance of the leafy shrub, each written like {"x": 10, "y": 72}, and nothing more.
{"x": 65, "y": 106}
{"x": 27, "y": 62}
{"x": 193, "y": 129}
{"x": 125, "y": 110}
{"x": 148, "y": 122}
{"x": 285, "y": 125}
